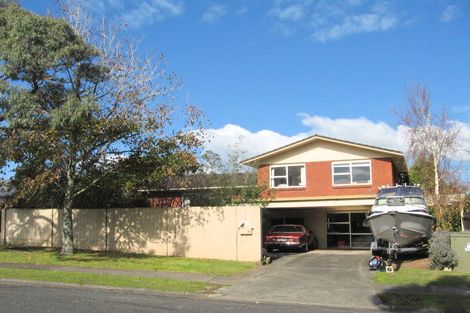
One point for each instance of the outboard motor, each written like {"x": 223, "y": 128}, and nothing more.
{"x": 376, "y": 263}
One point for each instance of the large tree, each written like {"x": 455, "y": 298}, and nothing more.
{"x": 73, "y": 111}
{"x": 433, "y": 142}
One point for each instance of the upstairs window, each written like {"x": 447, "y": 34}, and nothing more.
{"x": 350, "y": 173}
{"x": 287, "y": 176}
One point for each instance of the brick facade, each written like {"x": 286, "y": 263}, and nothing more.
{"x": 319, "y": 181}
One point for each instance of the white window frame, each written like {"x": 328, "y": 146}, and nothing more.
{"x": 350, "y": 165}
{"x": 303, "y": 176}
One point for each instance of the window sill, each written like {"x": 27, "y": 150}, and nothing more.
{"x": 290, "y": 188}
{"x": 351, "y": 186}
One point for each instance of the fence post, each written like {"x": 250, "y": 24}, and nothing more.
{"x": 52, "y": 227}
{"x": 106, "y": 229}
{"x": 4, "y": 226}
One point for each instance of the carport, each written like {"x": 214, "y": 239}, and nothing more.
{"x": 339, "y": 226}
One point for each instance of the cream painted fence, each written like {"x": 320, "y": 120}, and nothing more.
{"x": 229, "y": 233}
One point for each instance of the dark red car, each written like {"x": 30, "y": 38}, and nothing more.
{"x": 290, "y": 236}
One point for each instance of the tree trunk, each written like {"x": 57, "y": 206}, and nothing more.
{"x": 436, "y": 177}
{"x": 67, "y": 223}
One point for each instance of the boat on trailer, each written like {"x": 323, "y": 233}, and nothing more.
{"x": 400, "y": 221}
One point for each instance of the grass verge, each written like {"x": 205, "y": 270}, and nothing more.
{"x": 423, "y": 302}
{"x": 424, "y": 278}
{"x": 407, "y": 291}
{"x": 169, "y": 285}
{"x": 114, "y": 260}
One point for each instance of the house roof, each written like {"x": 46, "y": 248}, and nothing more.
{"x": 206, "y": 182}
{"x": 398, "y": 155}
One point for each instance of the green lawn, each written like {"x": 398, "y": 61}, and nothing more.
{"x": 169, "y": 285}
{"x": 424, "y": 302}
{"x": 424, "y": 278}
{"x": 126, "y": 261}
{"x": 402, "y": 297}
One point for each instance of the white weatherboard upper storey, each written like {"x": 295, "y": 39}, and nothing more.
{"x": 323, "y": 151}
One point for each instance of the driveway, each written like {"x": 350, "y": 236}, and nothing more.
{"x": 320, "y": 277}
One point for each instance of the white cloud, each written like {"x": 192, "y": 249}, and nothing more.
{"x": 332, "y": 20}
{"x": 461, "y": 109}
{"x": 464, "y": 138}
{"x": 242, "y": 11}
{"x": 250, "y": 143}
{"x": 355, "y": 24}
{"x": 214, "y": 13}
{"x": 151, "y": 11}
{"x": 292, "y": 12}
{"x": 450, "y": 13}
{"x": 360, "y": 130}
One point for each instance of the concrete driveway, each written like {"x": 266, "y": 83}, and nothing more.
{"x": 320, "y": 277}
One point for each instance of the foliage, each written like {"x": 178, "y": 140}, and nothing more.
{"x": 78, "y": 106}
{"x": 467, "y": 203}
{"x": 447, "y": 215}
{"x": 112, "y": 280}
{"x": 236, "y": 183}
{"x": 422, "y": 173}
{"x": 440, "y": 251}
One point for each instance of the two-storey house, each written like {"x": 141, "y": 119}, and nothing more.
{"x": 328, "y": 185}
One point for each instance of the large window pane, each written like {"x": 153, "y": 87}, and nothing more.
{"x": 338, "y": 241}
{"x": 338, "y": 228}
{"x": 361, "y": 174}
{"x": 357, "y": 223}
{"x": 295, "y": 175}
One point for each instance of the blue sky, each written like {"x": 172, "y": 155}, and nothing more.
{"x": 269, "y": 72}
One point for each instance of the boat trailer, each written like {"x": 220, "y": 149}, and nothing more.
{"x": 391, "y": 250}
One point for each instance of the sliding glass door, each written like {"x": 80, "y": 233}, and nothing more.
{"x": 346, "y": 230}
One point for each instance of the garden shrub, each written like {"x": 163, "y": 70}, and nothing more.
{"x": 441, "y": 253}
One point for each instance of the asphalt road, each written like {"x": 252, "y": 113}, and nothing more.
{"x": 15, "y": 298}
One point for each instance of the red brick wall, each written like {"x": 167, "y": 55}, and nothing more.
{"x": 320, "y": 182}
{"x": 166, "y": 201}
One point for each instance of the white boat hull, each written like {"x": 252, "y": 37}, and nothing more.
{"x": 402, "y": 228}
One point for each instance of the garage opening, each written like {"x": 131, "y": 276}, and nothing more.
{"x": 347, "y": 230}
{"x": 334, "y": 227}
{"x": 312, "y": 219}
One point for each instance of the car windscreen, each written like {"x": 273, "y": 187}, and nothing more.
{"x": 287, "y": 229}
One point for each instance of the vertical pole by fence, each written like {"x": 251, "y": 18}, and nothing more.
{"x": 106, "y": 229}
{"x": 4, "y": 226}
{"x": 52, "y": 228}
